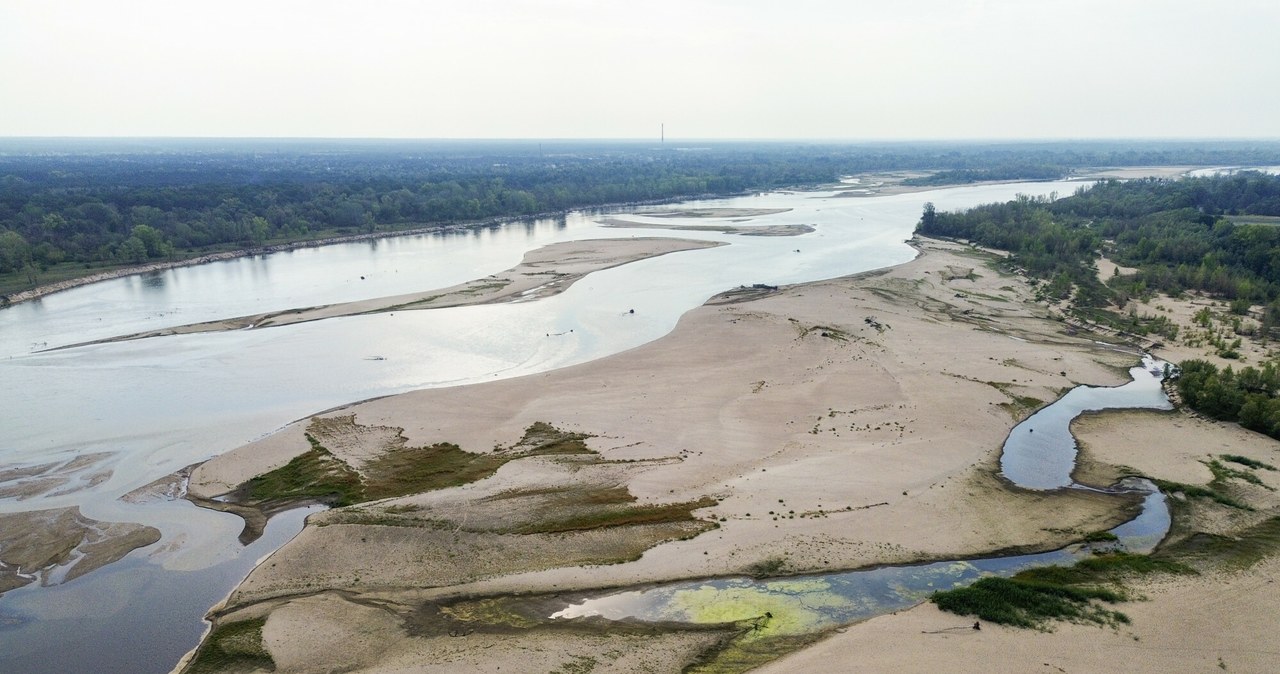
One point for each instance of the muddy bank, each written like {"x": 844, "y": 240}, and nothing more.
{"x": 58, "y": 545}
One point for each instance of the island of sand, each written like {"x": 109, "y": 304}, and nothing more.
{"x": 839, "y": 424}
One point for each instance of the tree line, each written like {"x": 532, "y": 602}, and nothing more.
{"x": 1180, "y": 236}
{"x": 1247, "y": 397}
{"x": 69, "y": 203}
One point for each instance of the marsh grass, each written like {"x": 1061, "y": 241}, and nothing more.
{"x": 316, "y": 475}
{"x": 235, "y": 646}
{"x": 1021, "y": 603}
{"x": 827, "y": 331}
{"x": 1036, "y": 597}
{"x": 1019, "y": 405}
{"x": 416, "y": 469}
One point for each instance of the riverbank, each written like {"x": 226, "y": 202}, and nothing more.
{"x": 838, "y": 424}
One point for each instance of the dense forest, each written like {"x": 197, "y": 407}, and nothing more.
{"x": 1206, "y": 234}
{"x": 67, "y": 205}
{"x": 1247, "y": 396}
{"x": 1180, "y": 235}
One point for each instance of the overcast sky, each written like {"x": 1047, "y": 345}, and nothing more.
{"x": 883, "y": 69}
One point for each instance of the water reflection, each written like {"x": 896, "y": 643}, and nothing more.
{"x": 1040, "y": 452}
{"x": 133, "y": 617}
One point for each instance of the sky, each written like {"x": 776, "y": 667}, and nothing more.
{"x": 706, "y": 69}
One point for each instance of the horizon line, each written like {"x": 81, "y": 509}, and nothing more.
{"x": 691, "y": 139}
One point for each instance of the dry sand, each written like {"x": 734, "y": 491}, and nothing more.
{"x": 880, "y": 399}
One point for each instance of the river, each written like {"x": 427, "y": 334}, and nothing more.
{"x": 145, "y": 409}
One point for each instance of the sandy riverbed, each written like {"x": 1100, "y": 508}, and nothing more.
{"x": 881, "y": 400}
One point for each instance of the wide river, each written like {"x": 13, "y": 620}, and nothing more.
{"x": 145, "y": 409}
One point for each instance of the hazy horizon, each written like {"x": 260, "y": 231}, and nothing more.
{"x": 710, "y": 70}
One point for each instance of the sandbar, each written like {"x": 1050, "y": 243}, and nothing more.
{"x": 543, "y": 272}
{"x": 762, "y": 230}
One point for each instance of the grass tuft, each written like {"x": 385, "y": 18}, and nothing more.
{"x": 1247, "y": 462}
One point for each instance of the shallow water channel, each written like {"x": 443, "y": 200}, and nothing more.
{"x": 1039, "y": 454}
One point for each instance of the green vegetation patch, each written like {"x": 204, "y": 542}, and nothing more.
{"x": 543, "y": 439}
{"x": 741, "y": 653}
{"x": 316, "y": 475}
{"x": 617, "y": 516}
{"x": 1246, "y": 461}
{"x": 577, "y": 664}
{"x": 1018, "y": 405}
{"x": 1222, "y": 473}
{"x": 1019, "y": 603}
{"x": 827, "y": 331}
{"x": 411, "y": 470}
{"x": 1111, "y": 567}
{"x": 231, "y": 647}
{"x": 1196, "y": 491}
{"x": 1250, "y": 396}
{"x": 764, "y": 568}
{"x": 1243, "y": 551}
{"x": 1035, "y": 597}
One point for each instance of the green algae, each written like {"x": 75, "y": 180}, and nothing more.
{"x": 795, "y": 608}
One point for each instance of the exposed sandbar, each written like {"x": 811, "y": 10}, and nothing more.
{"x": 715, "y": 212}
{"x": 544, "y": 272}
{"x": 763, "y": 230}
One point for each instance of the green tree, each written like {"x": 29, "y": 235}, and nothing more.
{"x": 15, "y": 252}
